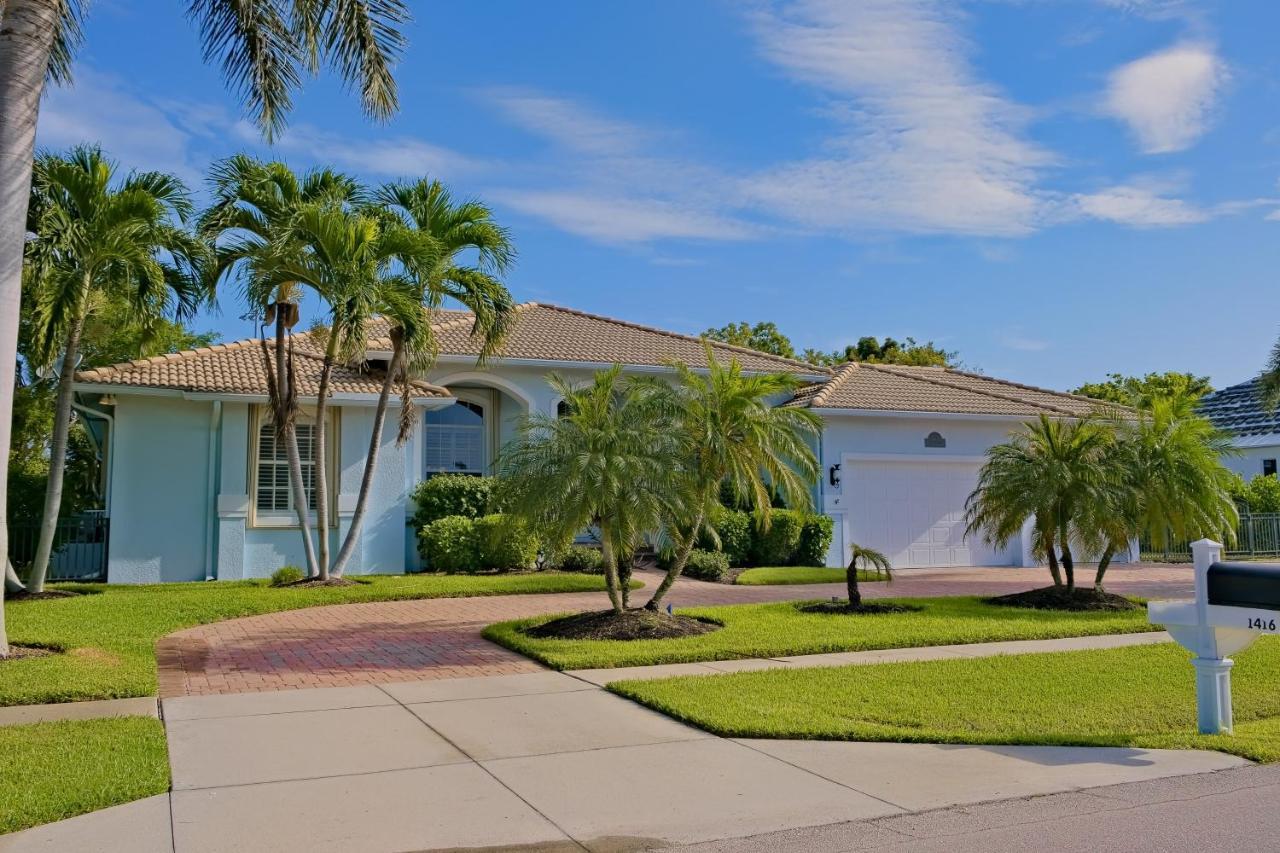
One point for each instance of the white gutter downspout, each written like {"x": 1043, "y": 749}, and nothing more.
{"x": 107, "y": 451}
{"x": 211, "y": 499}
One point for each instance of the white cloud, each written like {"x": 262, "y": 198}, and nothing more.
{"x": 1167, "y": 98}
{"x": 397, "y": 156}
{"x": 622, "y": 219}
{"x": 568, "y": 123}
{"x": 1138, "y": 206}
{"x": 923, "y": 145}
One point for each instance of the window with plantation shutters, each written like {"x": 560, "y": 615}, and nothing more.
{"x": 456, "y": 440}
{"x": 272, "y": 497}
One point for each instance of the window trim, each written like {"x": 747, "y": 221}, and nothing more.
{"x": 288, "y": 519}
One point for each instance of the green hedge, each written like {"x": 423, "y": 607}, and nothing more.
{"x": 451, "y": 494}
{"x": 733, "y": 528}
{"x": 580, "y": 558}
{"x": 456, "y": 543}
{"x": 793, "y": 538}
{"x": 815, "y": 540}
{"x": 777, "y": 544}
{"x": 707, "y": 565}
{"x": 505, "y": 543}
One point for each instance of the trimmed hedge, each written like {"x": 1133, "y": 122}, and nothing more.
{"x": 793, "y": 538}
{"x": 505, "y": 543}
{"x": 815, "y": 540}
{"x": 450, "y": 544}
{"x": 706, "y": 565}
{"x": 447, "y": 495}
{"x": 580, "y": 558}
{"x": 776, "y": 545}
{"x": 733, "y": 527}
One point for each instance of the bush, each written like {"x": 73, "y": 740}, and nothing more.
{"x": 815, "y": 541}
{"x": 777, "y": 545}
{"x": 286, "y": 575}
{"x": 451, "y": 494}
{"x": 733, "y": 527}
{"x": 505, "y": 543}
{"x": 580, "y": 558}
{"x": 707, "y": 565}
{"x": 450, "y": 544}
{"x": 1261, "y": 494}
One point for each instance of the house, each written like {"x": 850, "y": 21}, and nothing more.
{"x": 1255, "y": 428}
{"x": 198, "y": 490}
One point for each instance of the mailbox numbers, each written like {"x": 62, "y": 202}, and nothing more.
{"x": 1257, "y": 623}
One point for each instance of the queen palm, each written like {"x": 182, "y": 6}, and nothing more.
{"x": 99, "y": 237}
{"x": 606, "y": 464}
{"x": 733, "y": 436}
{"x": 1050, "y": 469}
{"x": 264, "y": 47}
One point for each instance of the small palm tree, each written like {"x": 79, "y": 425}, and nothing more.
{"x": 97, "y": 239}
{"x": 608, "y": 463}
{"x": 869, "y": 559}
{"x": 733, "y": 435}
{"x": 1050, "y": 469}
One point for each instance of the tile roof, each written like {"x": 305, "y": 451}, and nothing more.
{"x": 898, "y": 388}
{"x": 1239, "y": 409}
{"x": 551, "y": 333}
{"x": 237, "y": 368}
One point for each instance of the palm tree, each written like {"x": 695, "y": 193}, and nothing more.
{"x": 733, "y": 435}
{"x": 99, "y": 238}
{"x": 251, "y": 219}
{"x": 1050, "y": 469}
{"x": 1165, "y": 478}
{"x": 869, "y": 558}
{"x": 607, "y": 464}
{"x": 265, "y": 48}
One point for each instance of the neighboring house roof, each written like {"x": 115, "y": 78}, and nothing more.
{"x": 885, "y": 387}
{"x": 238, "y": 368}
{"x": 1239, "y": 409}
{"x": 551, "y": 333}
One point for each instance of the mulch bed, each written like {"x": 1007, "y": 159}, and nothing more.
{"x": 19, "y": 652}
{"x": 842, "y": 608}
{"x": 40, "y": 596}
{"x": 316, "y": 582}
{"x": 1058, "y": 598}
{"x": 631, "y": 625}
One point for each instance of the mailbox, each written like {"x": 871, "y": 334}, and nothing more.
{"x": 1255, "y": 585}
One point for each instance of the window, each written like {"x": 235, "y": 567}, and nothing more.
{"x": 457, "y": 439}
{"x": 273, "y": 499}
{"x": 562, "y": 409}
{"x": 1268, "y": 467}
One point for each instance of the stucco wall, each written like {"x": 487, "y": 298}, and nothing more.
{"x": 1249, "y": 463}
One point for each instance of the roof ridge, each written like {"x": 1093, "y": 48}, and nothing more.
{"x": 1007, "y": 398}
{"x": 169, "y": 356}
{"x": 813, "y": 368}
{"x": 1066, "y": 394}
{"x": 836, "y": 380}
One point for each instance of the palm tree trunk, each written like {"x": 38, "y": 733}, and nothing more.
{"x": 611, "y": 571}
{"x": 1068, "y": 565}
{"x": 1103, "y": 563}
{"x": 284, "y": 384}
{"x": 27, "y": 28}
{"x": 370, "y": 459}
{"x": 682, "y": 559}
{"x": 57, "y": 458}
{"x": 322, "y": 471}
{"x": 1051, "y": 553}
{"x": 12, "y": 583}
{"x": 851, "y": 584}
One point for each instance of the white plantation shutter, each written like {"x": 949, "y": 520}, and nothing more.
{"x": 455, "y": 439}
{"x": 272, "y": 493}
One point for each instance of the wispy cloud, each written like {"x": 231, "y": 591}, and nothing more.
{"x": 397, "y": 156}
{"x": 568, "y": 123}
{"x": 1024, "y": 343}
{"x": 1139, "y": 207}
{"x": 1167, "y": 98}
{"x": 621, "y": 219}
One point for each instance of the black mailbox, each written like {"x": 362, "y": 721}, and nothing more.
{"x": 1245, "y": 585}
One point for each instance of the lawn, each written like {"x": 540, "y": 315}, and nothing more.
{"x": 58, "y": 770}
{"x": 1141, "y": 696}
{"x": 773, "y": 575}
{"x": 109, "y": 634}
{"x": 771, "y": 630}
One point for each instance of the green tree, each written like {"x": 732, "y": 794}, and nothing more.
{"x": 762, "y": 337}
{"x": 99, "y": 239}
{"x": 608, "y": 463}
{"x": 1050, "y": 469}
{"x": 871, "y": 350}
{"x": 1140, "y": 391}
{"x": 730, "y": 433}
{"x": 868, "y": 557}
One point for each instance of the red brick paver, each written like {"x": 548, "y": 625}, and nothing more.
{"x": 350, "y": 644}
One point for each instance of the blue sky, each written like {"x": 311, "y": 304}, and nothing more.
{"x": 1054, "y": 189}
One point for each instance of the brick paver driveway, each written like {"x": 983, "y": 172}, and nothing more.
{"x": 383, "y": 642}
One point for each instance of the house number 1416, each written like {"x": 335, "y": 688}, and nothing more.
{"x": 1259, "y": 624}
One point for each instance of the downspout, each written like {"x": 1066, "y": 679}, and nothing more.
{"x": 211, "y": 491}
{"x": 105, "y": 451}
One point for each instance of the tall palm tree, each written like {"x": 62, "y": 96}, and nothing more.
{"x": 1164, "y": 479}
{"x": 608, "y": 463}
{"x": 733, "y": 436}
{"x": 1049, "y": 469}
{"x": 98, "y": 237}
{"x": 255, "y": 207}
{"x": 264, "y": 47}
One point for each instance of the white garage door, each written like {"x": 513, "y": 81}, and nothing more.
{"x": 913, "y": 512}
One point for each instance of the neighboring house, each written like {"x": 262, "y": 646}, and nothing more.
{"x": 197, "y": 488}
{"x": 1255, "y": 427}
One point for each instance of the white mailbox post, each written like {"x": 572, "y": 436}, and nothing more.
{"x": 1235, "y": 603}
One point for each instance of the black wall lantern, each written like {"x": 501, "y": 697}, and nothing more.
{"x": 834, "y": 475}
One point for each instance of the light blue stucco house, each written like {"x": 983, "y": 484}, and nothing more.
{"x": 197, "y": 490}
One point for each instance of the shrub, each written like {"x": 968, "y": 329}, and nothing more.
{"x": 777, "y": 545}
{"x": 451, "y": 494}
{"x": 1261, "y": 494}
{"x": 450, "y": 544}
{"x": 505, "y": 543}
{"x": 286, "y": 575}
{"x": 733, "y": 527}
{"x": 707, "y": 565}
{"x": 815, "y": 540}
{"x": 580, "y": 558}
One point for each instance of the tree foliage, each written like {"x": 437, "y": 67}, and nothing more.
{"x": 909, "y": 352}
{"x": 762, "y": 337}
{"x": 1140, "y": 391}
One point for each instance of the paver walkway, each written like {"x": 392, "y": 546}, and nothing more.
{"x": 387, "y": 642}
{"x": 538, "y": 761}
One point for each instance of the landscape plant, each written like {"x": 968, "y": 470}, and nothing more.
{"x": 450, "y": 494}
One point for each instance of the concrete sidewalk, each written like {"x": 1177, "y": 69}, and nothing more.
{"x": 545, "y": 759}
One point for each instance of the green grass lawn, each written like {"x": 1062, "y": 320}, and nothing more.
{"x": 770, "y": 630}
{"x": 772, "y": 575}
{"x": 58, "y": 770}
{"x": 109, "y": 635}
{"x": 1141, "y": 696}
